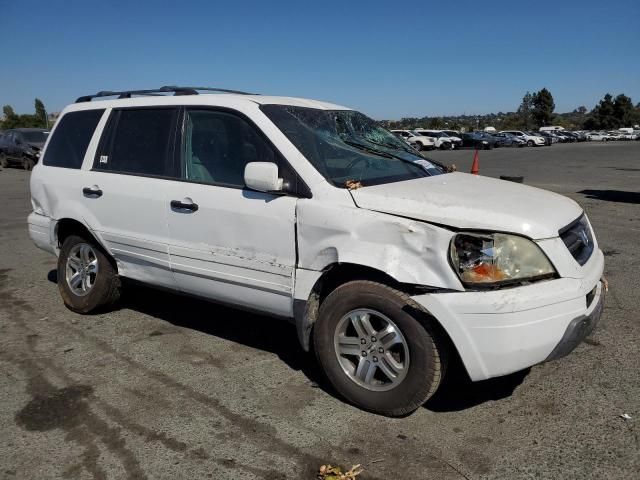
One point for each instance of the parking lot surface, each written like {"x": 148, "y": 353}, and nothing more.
{"x": 171, "y": 387}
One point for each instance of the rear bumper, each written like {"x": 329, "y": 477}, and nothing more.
{"x": 41, "y": 232}
{"x": 502, "y": 331}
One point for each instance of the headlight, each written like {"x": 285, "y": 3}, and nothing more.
{"x": 494, "y": 258}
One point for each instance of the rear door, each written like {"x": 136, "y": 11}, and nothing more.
{"x": 229, "y": 243}
{"x": 125, "y": 190}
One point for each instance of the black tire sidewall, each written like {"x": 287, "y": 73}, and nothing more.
{"x": 416, "y": 387}
{"x": 100, "y": 292}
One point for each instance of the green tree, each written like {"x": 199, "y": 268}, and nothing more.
{"x": 623, "y": 110}
{"x": 524, "y": 111}
{"x": 10, "y": 120}
{"x": 543, "y": 107}
{"x": 41, "y": 113}
{"x": 602, "y": 116}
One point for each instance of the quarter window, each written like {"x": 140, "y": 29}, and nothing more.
{"x": 71, "y": 138}
{"x": 139, "y": 141}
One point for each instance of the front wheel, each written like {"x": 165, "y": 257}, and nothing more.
{"x": 376, "y": 348}
{"x": 417, "y": 146}
{"x": 86, "y": 278}
{"x": 28, "y": 164}
{"x": 530, "y": 143}
{"x": 4, "y": 163}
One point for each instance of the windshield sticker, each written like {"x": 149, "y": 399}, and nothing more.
{"x": 425, "y": 164}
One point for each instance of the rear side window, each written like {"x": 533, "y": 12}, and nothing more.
{"x": 69, "y": 143}
{"x": 139, "y": 141}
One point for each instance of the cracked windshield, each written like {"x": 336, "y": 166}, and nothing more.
{"x": 348, "y": 148}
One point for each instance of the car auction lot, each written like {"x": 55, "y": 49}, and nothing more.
{"x": 170, "y": 387}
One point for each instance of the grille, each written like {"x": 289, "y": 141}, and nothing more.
{"x": 578, "y": 239}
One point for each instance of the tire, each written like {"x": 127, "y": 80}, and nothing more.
{"x": 105, "y": 283}
{"x": 530, "y": 143}
{"x": 424, "y": 356}
{"x": 28, "y": 164}
{"x": 4, "y": 163}
{"x": 418, "y": 146}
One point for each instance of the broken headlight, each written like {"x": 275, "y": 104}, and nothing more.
{"x": 495, "y": 258}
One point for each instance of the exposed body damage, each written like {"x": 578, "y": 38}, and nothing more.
{"x": 408, "y": 251}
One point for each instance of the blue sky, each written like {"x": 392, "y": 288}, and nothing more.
{"x": 386, "y": 59}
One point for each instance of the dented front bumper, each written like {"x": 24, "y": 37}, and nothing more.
{"x": 502, "y": 331}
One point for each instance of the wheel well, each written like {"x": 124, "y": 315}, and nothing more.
{"x": 335, "y": 275}
{"x": 68, "y": 226}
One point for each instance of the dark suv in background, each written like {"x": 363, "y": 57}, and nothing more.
{"x": 21, "y": 146}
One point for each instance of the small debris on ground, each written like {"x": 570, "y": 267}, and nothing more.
{"x": 626, "y": 416}
{"x": 328, "y": 472}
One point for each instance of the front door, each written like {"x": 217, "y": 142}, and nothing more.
{"x": 226, "y": 242}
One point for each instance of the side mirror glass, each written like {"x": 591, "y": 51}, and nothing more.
{"x": 262, "y": 177}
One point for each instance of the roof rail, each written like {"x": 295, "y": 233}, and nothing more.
{"x": 157, "y": 91}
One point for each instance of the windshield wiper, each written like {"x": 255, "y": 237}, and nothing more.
{"x": 397, "y": 157}
{"x": 368, "y": 149}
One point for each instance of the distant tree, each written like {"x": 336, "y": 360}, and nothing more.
{"x": 10, "y": 119}
{"x": 602, "y": 116}
{"x": 581, "y": 110}
{"x": 435, "y": 123}
{"x": 543, "y": 107}
{"x": 524, "y": 110}
{"x": 41, "y": 113}
{"x": 623, "y": 110}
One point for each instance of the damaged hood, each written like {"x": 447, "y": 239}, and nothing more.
{"x": 461, "y": 200}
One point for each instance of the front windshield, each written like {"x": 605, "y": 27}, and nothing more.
{"x": 35, "y": 137}
{"x": 346, "y": 146}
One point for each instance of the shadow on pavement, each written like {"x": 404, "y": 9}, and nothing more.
{"x": 458, "y": 392}
{"x": 279, "y": 337}
{"x": 253, "y": 330}
{"x": 612, "y": 195}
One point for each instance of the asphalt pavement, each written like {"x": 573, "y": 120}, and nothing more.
{"x": 170, "y": 387}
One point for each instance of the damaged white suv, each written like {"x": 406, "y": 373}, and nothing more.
{"x": 387, "y": 264}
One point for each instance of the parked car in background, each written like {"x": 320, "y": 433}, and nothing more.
{"x": 419, "y": 142}
{"x": 547, "y": 141}
{"x": 549, "y": 136}
{"x": 479, "y": 140}
{"x": 598, "y": 137}
{"x": 442, "y": 140}
{"x": 509, "y": 140}
{"x": 21, "y": 146}
{"x": 531, "y": 139}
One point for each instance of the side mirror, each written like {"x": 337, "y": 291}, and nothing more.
{"x": 262, "y": 176}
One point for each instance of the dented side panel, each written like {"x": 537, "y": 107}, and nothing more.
{"x": 407, "y": 250}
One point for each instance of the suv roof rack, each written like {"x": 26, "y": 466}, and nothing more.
{"x": 158, "y": 92}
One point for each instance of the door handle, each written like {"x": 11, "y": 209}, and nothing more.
{"x": 92, "y": 191}
{"x": 180, "y": 205}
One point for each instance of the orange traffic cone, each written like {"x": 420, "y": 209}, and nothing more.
{"x": 475, "y": 166}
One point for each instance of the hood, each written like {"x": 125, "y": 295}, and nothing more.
{"x": 461, "y": 200}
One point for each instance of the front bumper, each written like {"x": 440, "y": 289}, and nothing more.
{"x": 499, "y": 332}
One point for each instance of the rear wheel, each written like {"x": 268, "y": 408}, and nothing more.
{"x": 87, "y": 279}
{"x": 376, "y": 350}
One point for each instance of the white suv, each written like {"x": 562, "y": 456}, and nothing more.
{"x": 387, "y": 264}
{"x": 419, "y": 142}
{"x": 532, "y": 140}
